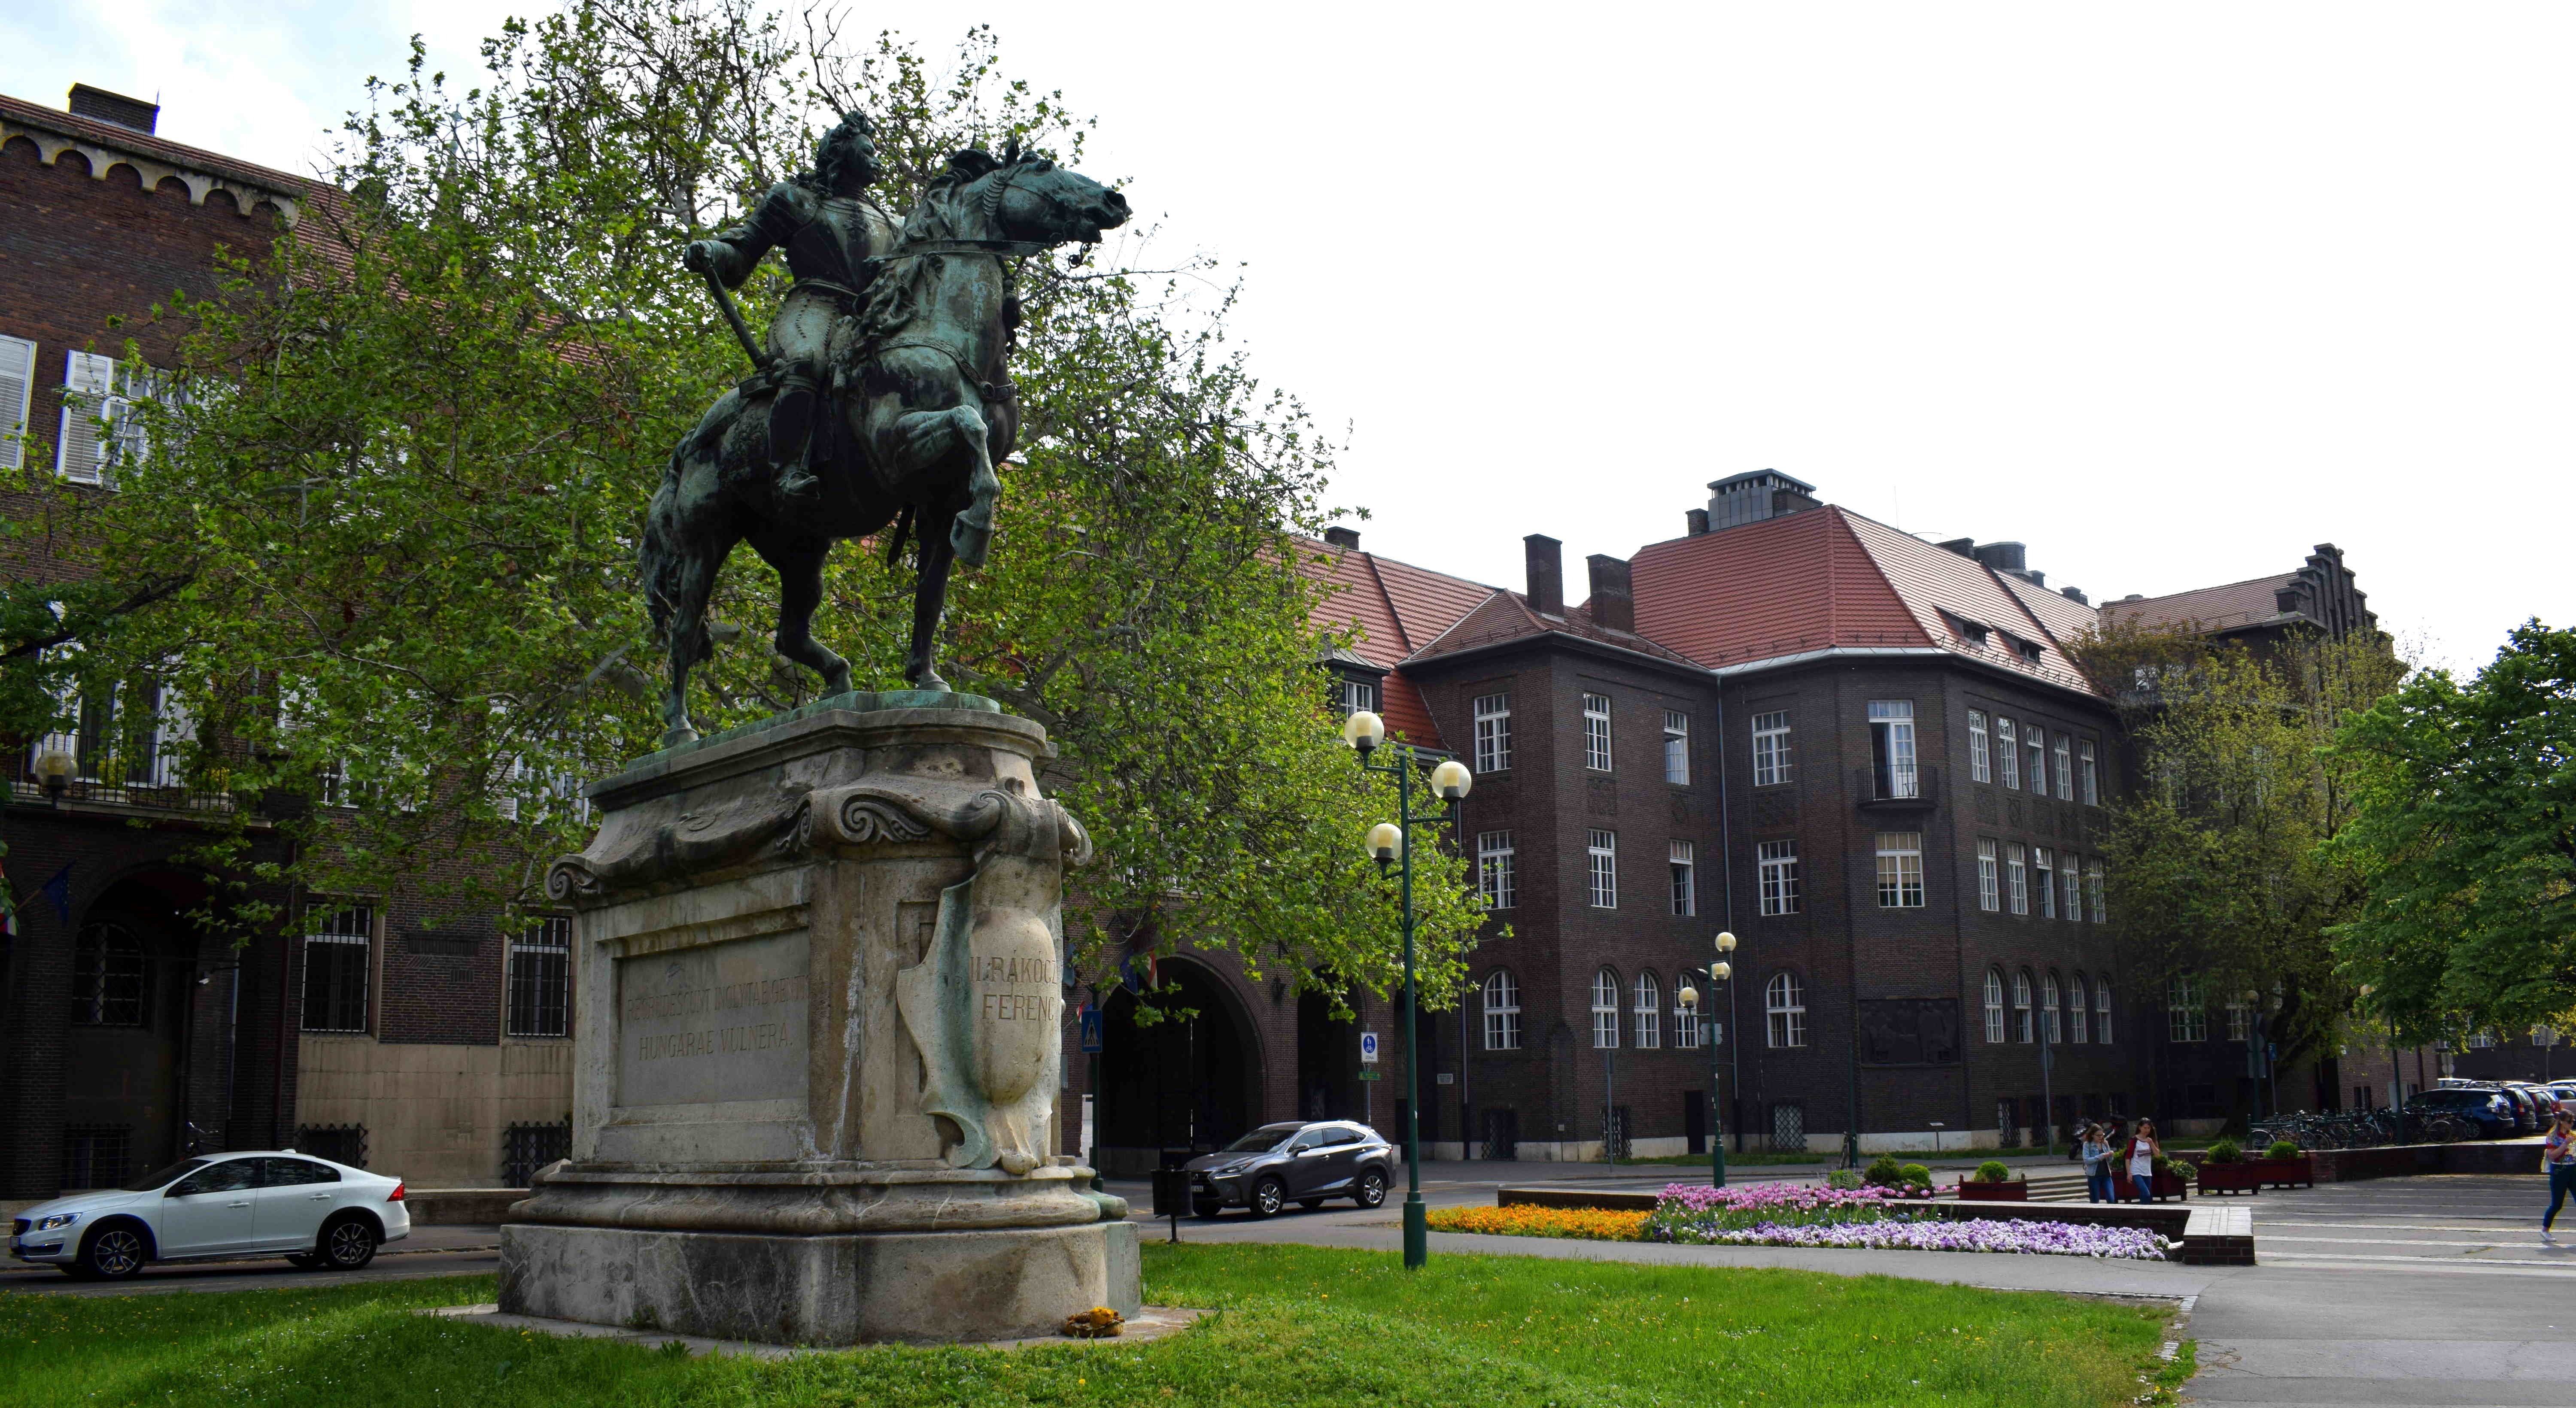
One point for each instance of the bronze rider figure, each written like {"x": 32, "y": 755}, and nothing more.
{"x": 829, "y": 227}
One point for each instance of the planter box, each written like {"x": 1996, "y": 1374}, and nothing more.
{"x": 2159, "y": 1187}
{"x": 2015, "y": 1191}
{"x": 2300, "y": 1172}
{"x": 2231, "y": 1178}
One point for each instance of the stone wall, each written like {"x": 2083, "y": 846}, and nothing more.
{"x": 434, "y": 1113}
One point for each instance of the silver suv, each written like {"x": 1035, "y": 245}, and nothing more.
{"x": 1306, "y": 1163}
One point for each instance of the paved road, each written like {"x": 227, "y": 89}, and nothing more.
{"x": 428, "y": 1251}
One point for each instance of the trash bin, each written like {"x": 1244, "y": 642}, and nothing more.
{"x": 1171, "y": 1192}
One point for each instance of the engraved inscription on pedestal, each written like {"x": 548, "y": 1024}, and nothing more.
{"x": 722, "y": 1022}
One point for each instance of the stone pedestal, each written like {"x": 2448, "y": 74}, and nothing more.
{"x": 818, "y": 1031}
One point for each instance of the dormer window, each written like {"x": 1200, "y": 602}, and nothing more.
{"x": 1973, "y": 632}
{"x": 1356, "y": 694}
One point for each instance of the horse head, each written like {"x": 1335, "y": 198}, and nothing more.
{"x": 1025, "y": 199}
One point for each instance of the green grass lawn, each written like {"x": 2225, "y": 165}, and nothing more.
{"x": 1298, "y": 1326}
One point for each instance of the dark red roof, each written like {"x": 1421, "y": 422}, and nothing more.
{"x": 2208, "y": 608}
{"x": 1508, "y": 616}
{"x": 1382, "y": 610}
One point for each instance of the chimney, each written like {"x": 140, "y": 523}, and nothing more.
{"x": 1612, "y": 604}
{"x": 2033, "y": 576}
{"x": 113, "y": 107}
{"x": 2003, "y": 557}
{"x": 1964, "y": 547}
{"x": 1342, "y": 537}
{"x": 2076, "y": 595}
{"x": 1546, "y": 574}
{"x": 1698, "y": 520}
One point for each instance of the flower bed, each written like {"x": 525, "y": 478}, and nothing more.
{"x": 1964, "y": 1235}
{"x": 1589, "y": 1224}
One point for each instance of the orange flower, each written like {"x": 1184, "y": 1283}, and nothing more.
{"x": 1521, "y": 1220}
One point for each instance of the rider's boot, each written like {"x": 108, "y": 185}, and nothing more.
{"x": 791, "y": 438}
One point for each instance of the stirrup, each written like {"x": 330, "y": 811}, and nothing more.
{"x": 800, "y": 486}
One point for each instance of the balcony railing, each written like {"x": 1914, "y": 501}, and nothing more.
{"x": 142, "y": 771}
{"x": 1894, "y": 786}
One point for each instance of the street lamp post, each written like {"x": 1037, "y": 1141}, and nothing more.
{"x": 1391, "y": 843}
{"x": 1719, "y": 971}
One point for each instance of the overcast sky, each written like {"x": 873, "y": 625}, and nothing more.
{"x": 2168, "y": 292}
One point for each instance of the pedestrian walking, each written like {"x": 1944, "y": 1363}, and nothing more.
{"x": 2095, "y": 1150}
{"x": 2558, "y": 1160}
{"x": 2142, "y": 1153}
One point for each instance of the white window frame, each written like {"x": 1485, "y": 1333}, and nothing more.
{"x": 1981, "y": 766}
{"x": 1596, "y": 732}
{"x": 1772, "y": 759}
{"x": 1784, "y": 1012}
{"x": 2071, "y": 883}
{"x": 2007, "y": 753}
{"x": 2078, "y": 995}
{"x": 2186, "y": 1012}
{"x": 1605, "y": 1010}
{"x": 1900, "y": 869}
{"x": 1891, "y": 727}
{"x": 1994, "y": 996}
{"x": 1687, "y": 1032}
{"x": 1502, "y": 1011}
{"x": 1685, "y": 873}
{"x": 1677, "y": 748}
{"x": 1493, "y": 733}
{"x": 1648, "y": 1025}
{"x": 2240, "y": 1020}
{"x": 17, "y": 399}
{"x": 2025, "y": 1029}
{"x": 1989, "y": 883}
{"x": 2043, "y": 866}
{"x": 1776, "y": 865}
{"x": 2093, "y": 886}
{"x": 2089, "y": 777}
{"x": 2035, "y": 738}
{"x": 1497, "y": 869}
{"x": 2065, "y": 767}
{"x": 2101, "y": 1011}
{"x": 1602, "y": 849}
{"x": 1358, "y": 694}
{"x": 340, "y": 929}
{"x": 2016, "y": 878}
{"x": 2052, "y": 995}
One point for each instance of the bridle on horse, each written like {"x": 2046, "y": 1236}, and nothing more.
{"x": 990, "y": 208}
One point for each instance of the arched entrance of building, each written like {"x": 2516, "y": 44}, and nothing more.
{"x": 1328, "y": 1063}
{"x": 134, "y": 970}
{"x": 1184, "y": 1084}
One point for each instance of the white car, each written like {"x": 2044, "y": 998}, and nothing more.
{"x": 318, "y": 1214}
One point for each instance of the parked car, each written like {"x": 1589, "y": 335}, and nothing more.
{"x": 2490, "y": 1110}
{"x": 2526, "y": 1108}
{"x": 317, "y": 1214}
{"x": 1302, "y": 1162}
{"x": 2544, "y": 1101}
{"x": 2565, "y": 1090}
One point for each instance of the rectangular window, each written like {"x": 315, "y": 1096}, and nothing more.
{"x": 2073, "y": 885}
{"x": 1596, "y": 732}
{"x": 2065, "y": 768}
{"x": 1493, "y": 733}
{"x": 335, "y": 967}
{"x": 1770, "y": 749}
{"x": 1357, "y": 695}
{"x": 100, "y": 427}
{"x": 1900, "y": 870}
{"x": 2016, "y": 878}
{"x": 1891, "y": 747}
{"x": 2037, "y": 740}
{"x": 17, "y": 398}
{"x": 2186, "y": 1016}
{"x": 1685, "y": 882}
{"x": 2006, "y": 753}
{"x": 1603, "y": 847}
{"x": 1676, "y": 748}
{"x": 2093, "y": 889}
{"x": 1980, "y": 759}
{"x": 1777, "y": 862}
{"x": 1989, "y": 885}
{"x": 541, "y": 980}
{"x": 2092, "y": 793}
{"x": 2240, "y": 1023}
{"x": 1495, "y": 863}
{"x": 2044, "y": 861}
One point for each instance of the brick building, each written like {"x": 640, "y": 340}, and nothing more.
{"x": 440, "y": 1052}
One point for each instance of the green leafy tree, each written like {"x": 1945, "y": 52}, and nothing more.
{"x": 2465, "y": 840}
{"x": 400, "y": 472}
{"x": 2215, "y": 880}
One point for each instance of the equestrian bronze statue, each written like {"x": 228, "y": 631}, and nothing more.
{"x": 881, "y": 395}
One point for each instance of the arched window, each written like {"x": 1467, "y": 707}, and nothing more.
{"x": 109, "y": 986}
{"x": 1649, "y": 1012}
{"x": 2050, "y": 999}
{"x": 1605, "y": 1009}
{"x": 2102, "y": 1010}
{"x": 1502, "y": 1011}
{"x": 2075, "y": 1011}
{"x": 2023, "y": 1030}
{"x": 1784, "y": 1003}
{"x": 1995, "y": 1006}
{"x": 1687, "y": 1032}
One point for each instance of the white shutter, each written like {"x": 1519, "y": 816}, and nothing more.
{"x": 88, "y": 381}
{"x": 17, "y": 395}
{"x": 506, "y": 806}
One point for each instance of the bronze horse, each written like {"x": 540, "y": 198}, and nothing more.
{"x": 924, "y": 407}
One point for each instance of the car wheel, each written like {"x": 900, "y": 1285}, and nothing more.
{"x": 348, "y": 1243}
{"x": 1268, "y": 1197}
{"x": 1372, "y": 1191}
{"x": 1207, "y": 1207}
{"x": 113, "y": 1253}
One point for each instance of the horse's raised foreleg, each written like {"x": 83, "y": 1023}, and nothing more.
{"x": 927, "y": 438}
{"x": 929, "y": 601}
{"x": 800, "y": 591}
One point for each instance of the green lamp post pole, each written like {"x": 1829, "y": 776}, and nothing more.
{"x": 1719, "y": 971}
{"x": 1391, "y": 843}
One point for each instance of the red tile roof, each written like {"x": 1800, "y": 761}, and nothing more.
{"x": 2065, "y": 617}
{"x": 1382, "y": 610}
{"x": 1507, "y": 616}
{"x": 2207, "y": 608}
{"x": 1827, "y": 579}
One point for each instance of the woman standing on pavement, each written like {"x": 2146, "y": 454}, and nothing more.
{"x": 2558, "y": 1160}
{"x": 2095, "y": 1150}
{"x": 2142, "y": 1153}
